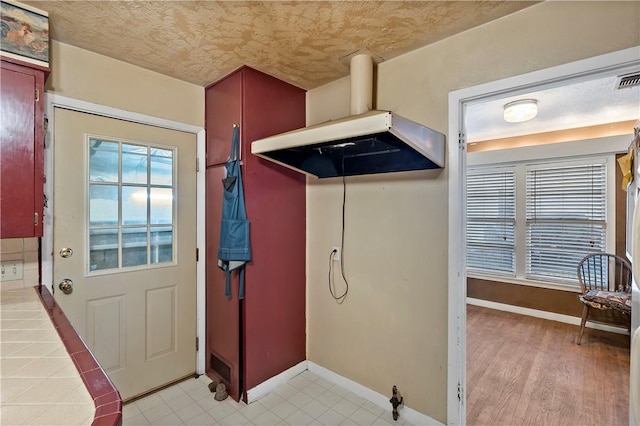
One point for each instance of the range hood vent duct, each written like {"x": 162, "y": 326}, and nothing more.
{"x": 367, "y": 142}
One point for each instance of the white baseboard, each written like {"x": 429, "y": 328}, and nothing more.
{"x": 568, "y": 319}
{"x": 410, "y": 415}
{"x": 267, "y": 386}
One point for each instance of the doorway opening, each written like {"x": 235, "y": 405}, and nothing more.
{"x": 462, "y": 104}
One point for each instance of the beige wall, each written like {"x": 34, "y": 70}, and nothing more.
{"x": 25, "y": 250}
{"x": 392, "y": 328}
{"x": 81, "y": 74}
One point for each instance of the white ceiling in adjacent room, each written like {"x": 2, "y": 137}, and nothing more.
{"x": 566, "y": 105}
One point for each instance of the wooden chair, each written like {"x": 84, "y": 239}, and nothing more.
{"x": 605, "y": 281}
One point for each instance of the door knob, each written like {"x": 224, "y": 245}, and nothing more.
{"x": 66, "y": 252}
{"x": 66, "y": 286}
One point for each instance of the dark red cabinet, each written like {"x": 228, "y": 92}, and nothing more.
{"x": 252, "y": 340}
{"x": 21, "y": 151}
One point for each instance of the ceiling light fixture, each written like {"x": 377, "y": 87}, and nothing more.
{"x": 519, "y": 111}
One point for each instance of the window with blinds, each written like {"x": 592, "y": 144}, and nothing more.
{"x": 565, "y": 218}
{"x": 491, "y": 217}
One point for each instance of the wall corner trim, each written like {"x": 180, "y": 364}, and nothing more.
{"x": 269, "y": 385}
{"x": 553, "y": 316}
{"x": 410, "y": 415}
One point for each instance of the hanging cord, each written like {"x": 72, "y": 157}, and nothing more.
{"x": 344, "y": 199}
{"x": 340, "y": 298}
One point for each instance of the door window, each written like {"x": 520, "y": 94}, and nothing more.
{"x": 131, "y": 193}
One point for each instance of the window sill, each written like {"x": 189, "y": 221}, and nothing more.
{"x": 511, "y": 280}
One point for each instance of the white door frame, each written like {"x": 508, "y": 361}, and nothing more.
{"x": 456, "y": 162}
{"x": 56, "y": 101}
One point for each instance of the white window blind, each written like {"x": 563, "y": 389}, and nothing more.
{"x": 491, "y": 200}
{"x": 566, "y": 218}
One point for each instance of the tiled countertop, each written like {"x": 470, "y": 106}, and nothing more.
{"x": 48, "y": 376}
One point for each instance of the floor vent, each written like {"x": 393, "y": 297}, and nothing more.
{"x": 629, "y": 80}
{"x": 220, "y": 367}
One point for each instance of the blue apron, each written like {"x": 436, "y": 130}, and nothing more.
{"x": 234, "y": 249}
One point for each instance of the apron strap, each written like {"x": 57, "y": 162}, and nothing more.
{"x": 227, "y": 284}
{"x": 241, "y": 289}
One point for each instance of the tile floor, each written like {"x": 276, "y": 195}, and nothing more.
{"x": 305, "y": 400}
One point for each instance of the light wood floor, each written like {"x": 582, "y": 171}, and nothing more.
{"x": 528, "y": 371}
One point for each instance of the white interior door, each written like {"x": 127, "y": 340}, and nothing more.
{"x": 125, "y": 245}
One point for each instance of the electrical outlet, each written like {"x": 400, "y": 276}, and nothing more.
{"x": 11, "y": 270}
{"x": 336, "y": 253}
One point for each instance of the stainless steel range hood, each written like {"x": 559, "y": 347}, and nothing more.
{"x": 367, "y": 142}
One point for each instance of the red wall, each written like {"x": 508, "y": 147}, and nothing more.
{"x": 264, "y": 334}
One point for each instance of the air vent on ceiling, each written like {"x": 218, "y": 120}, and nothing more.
{"x": 629, "y": 80}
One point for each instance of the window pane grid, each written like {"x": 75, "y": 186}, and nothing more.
{"x": 131, "y": 204}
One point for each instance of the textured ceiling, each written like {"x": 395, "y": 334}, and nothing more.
{"x": 297, "y": 41}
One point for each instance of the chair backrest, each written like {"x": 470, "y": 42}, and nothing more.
{"x": 603, "y": 271}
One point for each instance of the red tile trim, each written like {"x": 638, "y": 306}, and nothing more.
{"x": 72, "y": 342}
{"x": 105, "y": 396}
{"x": 108, "y": 409}
{"x": 106, "y": 399}
{"x": 97, "y": 382}
{"x": 84, "y": 361}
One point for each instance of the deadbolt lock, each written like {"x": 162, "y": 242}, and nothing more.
{"x": 66, "y": 286}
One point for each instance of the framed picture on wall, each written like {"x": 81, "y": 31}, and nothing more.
{"x": 25, "y": 33}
